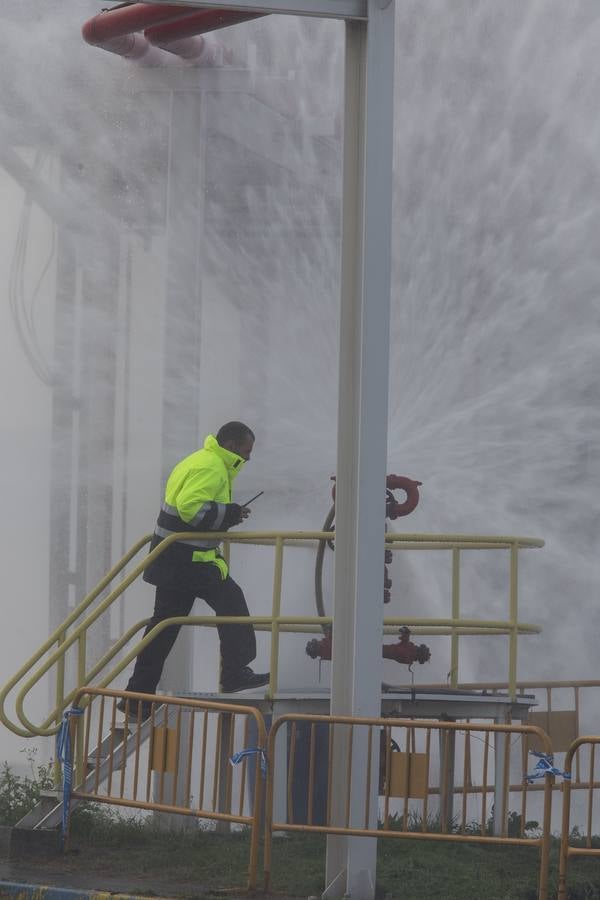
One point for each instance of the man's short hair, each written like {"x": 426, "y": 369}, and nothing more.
{"x": 233, "y": 431}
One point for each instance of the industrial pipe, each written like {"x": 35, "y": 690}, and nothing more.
{"x": 134, "y": 46}
{"x": 198, "y": 22}
{"x": 185, "y": 37}
{"x": 169, "y": 27}
{"x": 199, "y": 50}
{"x": 124, "y": 20}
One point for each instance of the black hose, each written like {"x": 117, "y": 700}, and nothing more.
{"x": 327, "y": 525}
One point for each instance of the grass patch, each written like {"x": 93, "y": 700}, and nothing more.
{"x": 214, "y": 865}
{"x": 138, "y": 846}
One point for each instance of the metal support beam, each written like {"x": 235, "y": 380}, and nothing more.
{"x": 324, "y": 9}
{"x": 96, "y": 419}
{"x": 362, "y": 423}
{"x": 63, "y": 211}
{"x": 63, "y": 483}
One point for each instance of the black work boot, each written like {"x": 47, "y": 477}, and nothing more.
{"x": 243, "y": 680}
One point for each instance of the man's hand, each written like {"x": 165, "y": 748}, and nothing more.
{"x": 235, "y": 514}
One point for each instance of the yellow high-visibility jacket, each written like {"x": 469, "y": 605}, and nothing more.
{"x": 198, "y": 498}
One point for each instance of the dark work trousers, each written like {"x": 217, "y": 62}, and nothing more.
{"x": 225, "y": 598}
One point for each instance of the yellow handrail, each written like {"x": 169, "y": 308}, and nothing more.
{"x": 83, "y": 627}
{"x": 453, "y": 625}
{"x": 58, "y": 634}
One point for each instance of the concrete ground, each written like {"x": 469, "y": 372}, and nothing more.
{"x": 53, "y": 879}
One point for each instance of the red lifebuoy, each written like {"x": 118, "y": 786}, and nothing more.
{"x": 395, "y": 510}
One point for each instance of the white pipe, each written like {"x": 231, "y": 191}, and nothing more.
{"x": 136, "y": 47}
{"x": 199, "y": 50}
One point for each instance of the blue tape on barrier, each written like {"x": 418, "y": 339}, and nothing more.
{"x": 544, "y": 766}
{"x": 242, "y": 754}
{"x": 64, "y": 754}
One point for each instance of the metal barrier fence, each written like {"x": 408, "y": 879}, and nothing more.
{"x": 179, "y": 760}
{"x": 567, "y": 850}
{"x": 562, "y": 709}
{"x": 416, "y": 792}
{"x": 436, "y": 780}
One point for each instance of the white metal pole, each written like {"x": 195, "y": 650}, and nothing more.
{"x": 362, "y": 426}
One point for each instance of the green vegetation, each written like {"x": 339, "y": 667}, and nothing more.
{"x": 19, "y": 794}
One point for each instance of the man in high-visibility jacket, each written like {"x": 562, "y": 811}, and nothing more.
{"x": 198, "y": 498}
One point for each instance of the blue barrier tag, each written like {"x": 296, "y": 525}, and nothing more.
{"x": 242, "y": 754}
{"x": 544, "y": 766}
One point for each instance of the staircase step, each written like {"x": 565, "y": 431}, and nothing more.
{"x": 51, "y": 794}
{"x": 47, "y": 802}
{"x": 115, "y": 738}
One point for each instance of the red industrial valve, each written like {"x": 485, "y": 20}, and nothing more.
{"x": 403, "y": 651}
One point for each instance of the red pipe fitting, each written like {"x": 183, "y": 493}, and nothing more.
{"x": 404, "y": 651}
{"x": 320, "y": 649}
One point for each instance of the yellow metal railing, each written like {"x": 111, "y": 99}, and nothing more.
{"x": 74, "y": 629}
{"x": 407, "y": 781}
{"x": 186, "y": 770}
